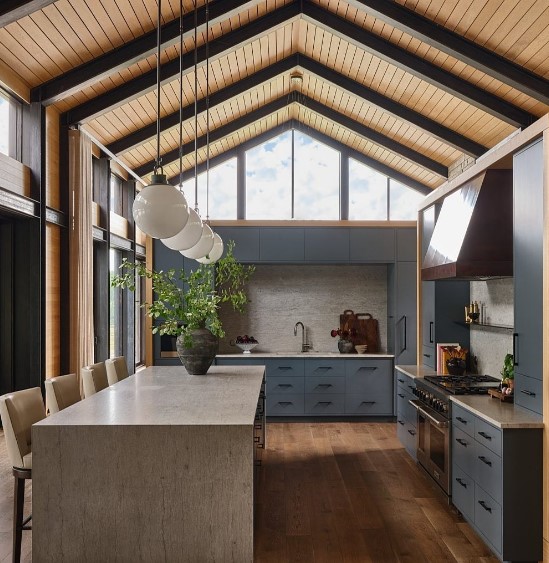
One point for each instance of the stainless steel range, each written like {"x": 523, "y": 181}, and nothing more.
{"x": 433, "y": 419}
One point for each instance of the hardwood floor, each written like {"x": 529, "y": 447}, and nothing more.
{"x": 348, "y": 491}
{"x": 330, "y": 493}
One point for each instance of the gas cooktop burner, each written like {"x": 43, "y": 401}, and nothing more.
{"x": 464, "y": 384}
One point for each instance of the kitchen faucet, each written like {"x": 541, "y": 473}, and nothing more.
{"x": 304, "y": 346}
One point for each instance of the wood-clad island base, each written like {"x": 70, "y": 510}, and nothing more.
{"x": 158, "y": 467}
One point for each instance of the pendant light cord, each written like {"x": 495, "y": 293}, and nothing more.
{"x": 207, "y": 110}
{"x": 181, "y": 95}
{"x": 158, "y": 45}
{"x": 196, "y": 106}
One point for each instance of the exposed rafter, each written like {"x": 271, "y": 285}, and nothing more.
{"x": 13, "y": 10}
{"x": 416, "y": 65}
{"x": 296, "y": 124}
{"x": 133, "y": 51}
{"x": 374, "y": 136}
{"x": 457, "y": 46}
{"x": 146, "y": 82}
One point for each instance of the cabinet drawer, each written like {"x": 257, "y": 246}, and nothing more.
{"x": 463, "y": 492}
{"x": 428, "y": 356}
{"x": 488, "y": 435}
{"x": 324, "y": 403}
{"x": 362, "y": 405}
{"x": 244, "y": 361}
{"x": 529, "y": 393}
{"x": 488, "y": 517}
{"x": 463, "y": 419}
{"x": 288, "y": 367}
{"x": 405, "y": 383}
{"x": 405, "y": 408}
{"x": 488, "y": 471}
{"x": 407, "y": 434}
{"x": 463, "y": 451}
{"x": 369, "y": 376}
{"x": 324, "y": 367}
{"x": 285, "y": 384}
{"x": 285, "y": 404}
{"x": 324, "y": 384}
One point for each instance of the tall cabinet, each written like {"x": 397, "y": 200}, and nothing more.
{"x": 528, "y": 276}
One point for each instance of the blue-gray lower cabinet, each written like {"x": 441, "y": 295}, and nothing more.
{"x": 405, "y": 413}
{"x": 496, "y": 490}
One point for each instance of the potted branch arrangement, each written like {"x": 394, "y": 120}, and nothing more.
{"x": 186, "y": 305}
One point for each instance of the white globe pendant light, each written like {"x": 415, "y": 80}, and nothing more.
{"x": 215, "y": 253}
{"x": 188, "y": 236}
{"x": 203, "y": 246}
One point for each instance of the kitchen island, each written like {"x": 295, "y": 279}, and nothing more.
{"x": 158, "y": 467}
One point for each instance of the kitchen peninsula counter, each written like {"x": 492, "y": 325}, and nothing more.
{"x": 304, "y": 355}
{"x": 158, "y": 467}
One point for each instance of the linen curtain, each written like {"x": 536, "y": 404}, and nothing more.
{"x": 81, "y": 253}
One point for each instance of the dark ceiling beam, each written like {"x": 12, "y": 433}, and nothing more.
{"x": 374, "y": 136}
{"x": 13, "y": 10}
{"x": 168, "y": 71}
{"x": 221, "y": 96}
{"x": 295, "y": 124}
{"x": 457, "y": 46}
{"x": 132, "y": 52}
{"x": 217, "y": 134}
{"x": 399, "y": 111}
{"x": 417, "y": 66}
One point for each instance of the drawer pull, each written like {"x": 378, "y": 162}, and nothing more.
{"x": 323, "y": 368}
{"x": 400, "y": 380}
{"x": 461, "y": 442}
{"x": 462, "y": 420}
{"x": 426, "y": 355}
{"x": 484, "y": 460}
{"x": 461, "y": 482}
{"x": 367, "y": 368}
{"x": 484, "y": 505}
{"x": 529, "y": 393}
{"x": 284, "y": 367}
{"x": 257, "y": 438}
{"x": 324, "y": 385}
{"x": 285, "y": 385}
{"x": 400, "y": 422}
{"x": 258, "y": 427}
{"x": 411, "y": 387}
{"x": 368, "y": 403}
{"x": 324, "y": 403}
{"x": 401, "y": 395}
{"x": 285, "y": 403}
{"x": 411, "y": 432}
{"x": 485, "y": 436}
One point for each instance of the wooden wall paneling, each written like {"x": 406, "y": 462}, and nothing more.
{"x": 15, "y": 176}
{"x": 546, "y": 341}
{"x": 53, "y": 301}
{"x": 119, "y": 225}
{"x": 53, "y": 196}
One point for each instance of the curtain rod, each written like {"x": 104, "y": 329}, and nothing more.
{"x": 112, "y": 155}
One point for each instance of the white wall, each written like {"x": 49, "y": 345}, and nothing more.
{"x": 281, "y": 295}
{"x": 491, "y": 345}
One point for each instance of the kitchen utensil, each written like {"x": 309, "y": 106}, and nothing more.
{"x": 363, "y": 329}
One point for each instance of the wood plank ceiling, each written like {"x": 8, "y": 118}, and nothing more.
{"x": 412, "y": 84}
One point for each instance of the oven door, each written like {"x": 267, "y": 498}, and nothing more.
{"x": 433, "y": 444}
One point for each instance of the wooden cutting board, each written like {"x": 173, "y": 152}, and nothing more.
{"x": 364, "y": 329}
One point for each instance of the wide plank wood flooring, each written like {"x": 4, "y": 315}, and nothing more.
{"x": 329, "y": 493}
{"x": 349, "y": 492}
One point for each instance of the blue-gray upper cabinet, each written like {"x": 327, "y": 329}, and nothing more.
{"x": 406, "y": 240}
{"x": 406, "y": 312}
{"x": 372, "y": 245}
{"x": 324, "y": 244}
{"x": 246, "y": 241}
{"x": 281, "y": 244}
{"x": 165, "y": 258}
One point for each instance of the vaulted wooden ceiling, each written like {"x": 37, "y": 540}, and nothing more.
{"x": 411, "y": 84}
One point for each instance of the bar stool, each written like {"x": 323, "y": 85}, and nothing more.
{"x": 94, "y": 379}
{"x": 19, "y": 411}
{"x": 117, "y": 370}
{"x": 61, "y": 392}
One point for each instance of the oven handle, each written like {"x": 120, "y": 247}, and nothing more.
{"x": 437, "y": 422}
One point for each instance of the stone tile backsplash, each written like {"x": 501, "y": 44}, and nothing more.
{"x": 281, "y": 295}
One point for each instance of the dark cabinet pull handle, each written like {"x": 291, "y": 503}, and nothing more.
{"x": 460, "y": 481}
{"x": 431, "y": 332}
{"x": 515, "y": 348}
{"x": 411, "y": 387}
{"x": 401, "y": 395}
{"x": 403, "y": 318}
{"x": 323, "y": 368}
{"x": 529, "y": 393}
{"x": 462, "y": 442}
{"x": 427, "y": 355}
{"x": 400, "y": 380}
{"x": 484, "y": 460}
{"x": 324, "y": 403}
{"x": 368, "y": 403}
{"x": 285, "y": 403}
{"x": 411, "y": 432}
{"x": 483, "y": 504}
{"x": 285, "y": 385}
{"x": 400, "y": 422}
{"x": 256, "y": 438}
{"x": 258, "y": 426}
{"x": 462, "y": 420}
{"x": 284, "y": 367}
{"x": 367, "y": 368}
{"x": 324, "y": 385}
{"x": 486, "y": 436}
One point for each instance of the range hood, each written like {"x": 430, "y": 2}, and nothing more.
{"x": 473, "y": 236}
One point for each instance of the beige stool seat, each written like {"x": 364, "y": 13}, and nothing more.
{"x": 19, "y": 411}
{"x": 117, "y": 370}
{"x": 94, "y": 379}
{"x": 61, "y": 392}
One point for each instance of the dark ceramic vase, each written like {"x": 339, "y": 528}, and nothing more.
{"x": 345, "y": 346}
{"x": 199, "y": 357}
{"x": 456, "y": 366}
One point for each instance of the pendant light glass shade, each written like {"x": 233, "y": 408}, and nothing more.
{"x": 215, "y": 253}
{"x": 188, "y": 236}
{"x": 203, "y": 246}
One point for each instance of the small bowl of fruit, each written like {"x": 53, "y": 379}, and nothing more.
{"x": 245, "y": 343}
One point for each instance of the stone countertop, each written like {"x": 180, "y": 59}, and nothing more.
{"x": 316, "y": 355}
{"x": 226, "y": 396}
{"x": 498, "y": 413}
{"x": 415, "y": 371}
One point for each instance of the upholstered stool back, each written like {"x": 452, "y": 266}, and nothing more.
{"x": 116, "y": 369}
{"x": 94, "y": 379}
{"x": 62, "y": 392}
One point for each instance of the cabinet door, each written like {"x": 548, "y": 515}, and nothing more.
{"x": 326, "y": 244}
{"x": 282, "y": 245}
{"x": 428, "y": 313}
{"x": 406, "y": 245}
{"x": 528, "y": 259}
{"x": 372, "y": 245}
{"x": 405, "y": 329}
{"x": 246, "y": 242}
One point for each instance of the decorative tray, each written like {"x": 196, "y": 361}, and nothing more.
{"x": 501, "y": 396}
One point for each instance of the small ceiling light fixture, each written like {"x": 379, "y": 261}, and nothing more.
{"x": 160, "y": 210}
{"x": 296, "y": 79}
